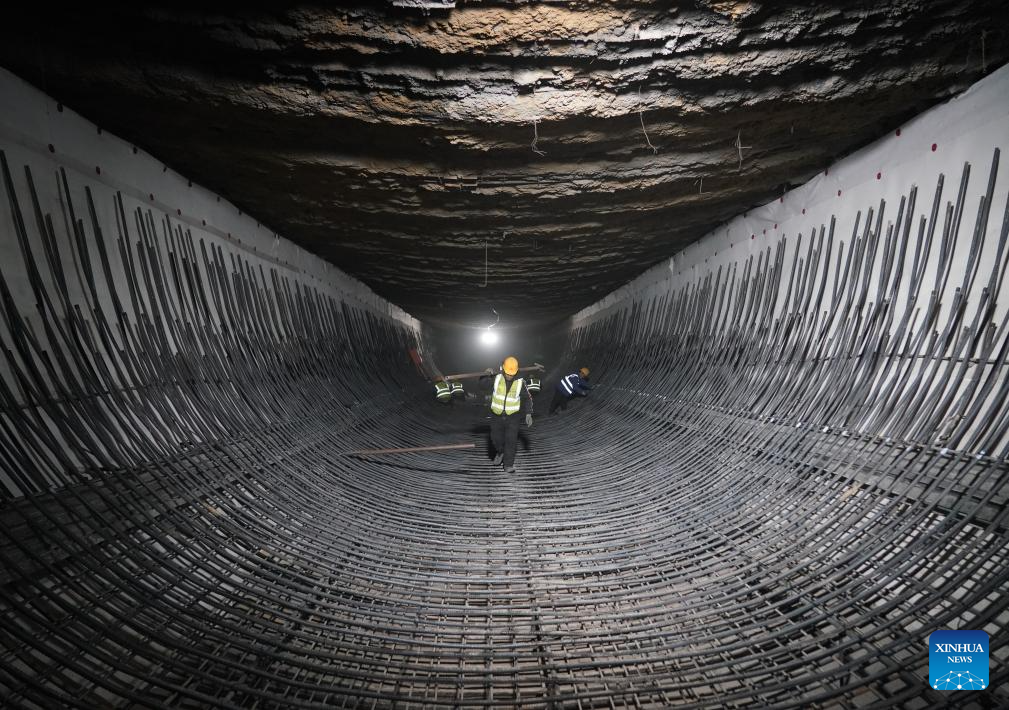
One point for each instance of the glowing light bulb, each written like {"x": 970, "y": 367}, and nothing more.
{"x": 488, "y": 337}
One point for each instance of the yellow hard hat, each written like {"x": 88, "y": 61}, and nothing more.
{"x": 510, "y": 365}
{"x": 584, "y": 372}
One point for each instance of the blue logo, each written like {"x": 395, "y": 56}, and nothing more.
{"x": 958, "y": 660}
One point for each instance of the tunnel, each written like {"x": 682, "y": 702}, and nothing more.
{"x": 240, "y": 249}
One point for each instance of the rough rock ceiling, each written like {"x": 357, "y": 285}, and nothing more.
{"x": 569, "y": 139}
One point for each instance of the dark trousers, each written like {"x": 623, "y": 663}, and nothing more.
{"x": 504, "y": 435}
{"x": 560, "y": 400}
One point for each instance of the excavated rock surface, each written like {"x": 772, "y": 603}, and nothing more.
{"x": 568, "y": 139}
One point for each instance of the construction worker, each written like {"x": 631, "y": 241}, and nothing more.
{"x": 574, "y": 385}
{"x": 443, "y": 391}
{"x": 510, "y": 401}
{"x": 458, "y": 392}
{"x": 533, "y": 385}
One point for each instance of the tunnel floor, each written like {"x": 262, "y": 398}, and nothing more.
{"x": 646, "y": 552}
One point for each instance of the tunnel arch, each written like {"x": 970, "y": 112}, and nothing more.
{"x": 765, "y": 504}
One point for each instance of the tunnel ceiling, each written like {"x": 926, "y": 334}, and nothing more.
{"x": 576, "y": 144}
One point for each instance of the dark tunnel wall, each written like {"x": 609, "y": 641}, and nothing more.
{"x": 788, "y": 474}
{"x": 458, "y": 350}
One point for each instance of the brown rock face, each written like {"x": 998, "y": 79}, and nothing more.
{"x": 565, "y": 141}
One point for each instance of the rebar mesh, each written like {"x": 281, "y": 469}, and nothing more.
{"x": 764, "y": 502}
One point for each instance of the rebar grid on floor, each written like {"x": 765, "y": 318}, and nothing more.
{"x": 755, "y": 507}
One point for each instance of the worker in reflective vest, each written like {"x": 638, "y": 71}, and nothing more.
{"x": 533, "y": 385}
{"x": 443, "y": 391}
{"x": 574, "y": 385}
{"x": 510, "y": 402}
{"x": 457, "y": 390}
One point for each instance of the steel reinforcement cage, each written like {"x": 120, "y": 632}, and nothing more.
{"x": 789, "y": 472}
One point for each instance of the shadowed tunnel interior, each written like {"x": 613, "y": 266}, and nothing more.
{"x": 791, "y": 469}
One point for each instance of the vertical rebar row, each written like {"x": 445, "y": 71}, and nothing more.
{"x": 872, "y": 373}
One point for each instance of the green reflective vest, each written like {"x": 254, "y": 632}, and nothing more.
{"x": 443, "y": 391}
{"x": 533, "y": 385}
{"x": 506, "y": 400}
{"x": 457, "y": 390}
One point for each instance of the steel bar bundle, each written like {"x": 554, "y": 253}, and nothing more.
{"x": 474, "y": 375}
{"x": 789, "y": 473}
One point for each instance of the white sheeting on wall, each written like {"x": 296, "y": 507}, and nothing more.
{"x": 965, "y": 129}
{"x": 44, "y": 135}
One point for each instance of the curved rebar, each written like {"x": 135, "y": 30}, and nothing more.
{"x": 789, "y": 473}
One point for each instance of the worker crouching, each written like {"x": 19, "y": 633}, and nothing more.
{"x": 574, "y": 385}
{"x": 510, "y": 403}
{"x": 443, "y": 391}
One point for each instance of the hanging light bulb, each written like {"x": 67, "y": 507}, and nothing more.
{"x": 488, "y": 337}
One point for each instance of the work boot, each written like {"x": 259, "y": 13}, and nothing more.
{"x": 498, "y": 459}
{"x": 510, "y": 469}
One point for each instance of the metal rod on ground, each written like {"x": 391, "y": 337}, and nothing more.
{"x": 444, "y": 447}
{"x": 470, "y": 375}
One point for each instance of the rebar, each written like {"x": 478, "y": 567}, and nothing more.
{"x": 789, "y": 473}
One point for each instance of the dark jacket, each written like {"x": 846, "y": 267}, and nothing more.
{"x": 574, "y": 384}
